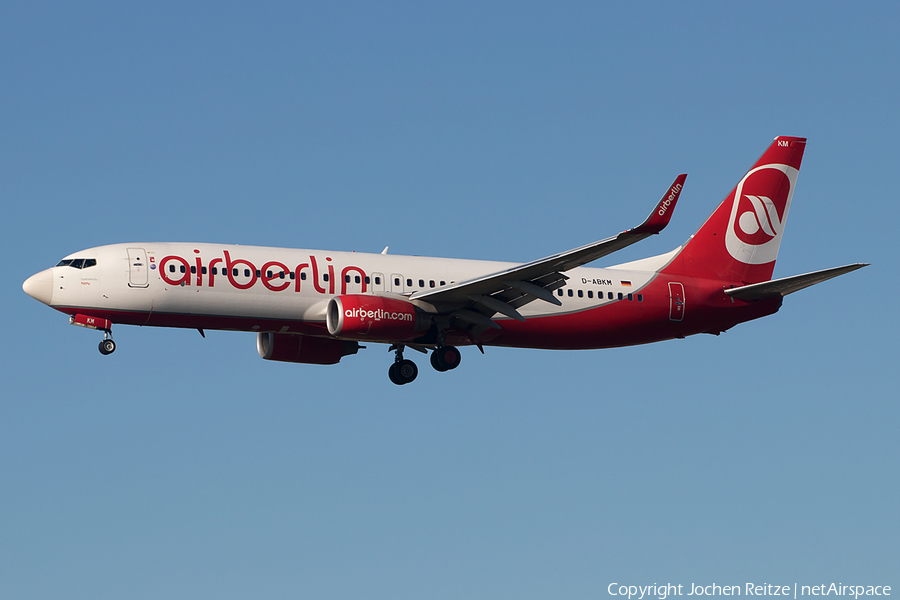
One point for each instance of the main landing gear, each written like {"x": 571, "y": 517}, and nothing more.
{"x": 445, "y": 358}
{"x": 403, "y": 371}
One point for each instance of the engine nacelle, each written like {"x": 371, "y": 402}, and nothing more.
{"x": 364, "y": 317}
{"x": 294, "y": 348}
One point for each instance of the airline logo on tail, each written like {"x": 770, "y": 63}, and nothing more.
{"x": 758, "y": 213}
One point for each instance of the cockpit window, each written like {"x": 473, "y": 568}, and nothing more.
{"x": 77, "y": 263}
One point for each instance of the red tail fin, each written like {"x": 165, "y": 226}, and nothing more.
{"x": 739, "y": 242}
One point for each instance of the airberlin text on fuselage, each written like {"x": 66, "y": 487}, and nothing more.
{"x": 270, "y": 273}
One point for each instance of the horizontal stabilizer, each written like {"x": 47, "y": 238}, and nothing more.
{"x": 789, "y": 285}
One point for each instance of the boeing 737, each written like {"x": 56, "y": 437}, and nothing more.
{"x": 313, "y": 306}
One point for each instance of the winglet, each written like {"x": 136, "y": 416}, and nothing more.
{"x": 661, "y": 215}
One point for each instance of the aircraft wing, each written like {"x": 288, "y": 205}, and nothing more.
{"x": 789, "y": 285}
{"x": 476, "y": 300}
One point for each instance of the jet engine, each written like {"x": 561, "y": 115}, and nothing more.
{"x": 364, "y": 317}
{"x": 287, "y": 347}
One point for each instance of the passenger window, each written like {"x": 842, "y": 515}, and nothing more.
{"x": 571, "y": 293}
{"x": 630, "y": 297}
{"x": 269, "y": 274}
{"x": 610, "y": 296}
{"x": 203, "y": 270}
{"x": 347, "y": 279}
{"x": 581, "y": 293}
{"x": 590, "y": 294}
{"x": 409, "y": 283}
{"x": 182, "y": 269}
{"x": 640, "y": 297}
{"x": 303, "y": 276}
{"x": 620, "y": 295}
{"x": 194, "y": 270}
{"x": 356, "y": 279}
{"x": 377, "y": 280}
{"x": 396, "y": 281}
{"x": 292, "y": 276}
{"x": 559, "y": 292}
{"x": 443, "y": 284}
{"x": 234, "y": 272}
{"x": 246, "y": 272}
{"x": 421, "y": 283}
{"x": 257, "y": 272}
{"x": 367, "y": 280}
{"x": 171, "y": 268}
{"x": 325, "y": 277}
{"x": 431, "y": 283}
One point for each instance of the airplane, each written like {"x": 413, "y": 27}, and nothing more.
{"x": 316, "y": 307}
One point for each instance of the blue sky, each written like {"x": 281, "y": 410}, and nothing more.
{"x": 182, "y": 467}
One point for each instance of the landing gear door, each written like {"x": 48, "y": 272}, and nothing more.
{"x": 138, "y": 270}
{"x": 676, "y": 301}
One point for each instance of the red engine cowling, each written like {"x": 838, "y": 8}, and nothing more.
{"x": 363, "y": 317}
{"x": 288, "y": 347}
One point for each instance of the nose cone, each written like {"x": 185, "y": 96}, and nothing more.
{"x": 40, "y": 286}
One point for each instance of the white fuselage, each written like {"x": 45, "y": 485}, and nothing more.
{"x": 284, "y": 284}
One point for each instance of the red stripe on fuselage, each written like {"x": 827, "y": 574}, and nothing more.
{"x": 211, "y": 322}
{"x": 624, "y": 322}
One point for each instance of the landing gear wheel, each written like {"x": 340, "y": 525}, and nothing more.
{"x": 436, "y": 362}
{"x": 393, "y": 375}
{"x": 403, "y": 372}
{"x": 107, "y": 347}
{"x": 445, "y": 358}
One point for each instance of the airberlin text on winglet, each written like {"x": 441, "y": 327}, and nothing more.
{"x": 664, "y": 206}
{"x": 663, "y": 591}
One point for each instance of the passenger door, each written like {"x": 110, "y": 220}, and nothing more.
{"x": 138, "y": 275}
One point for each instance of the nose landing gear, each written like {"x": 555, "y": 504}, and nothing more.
{"x": 107, "y": 345}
